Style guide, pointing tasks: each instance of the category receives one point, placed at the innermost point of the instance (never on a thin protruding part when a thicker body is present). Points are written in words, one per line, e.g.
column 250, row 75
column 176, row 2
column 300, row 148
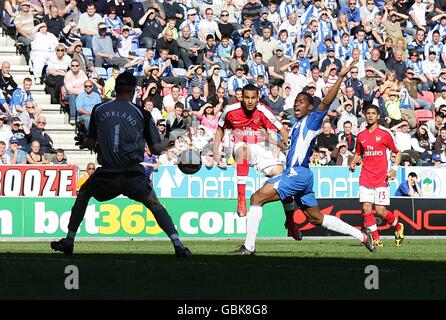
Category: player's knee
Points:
column 254, row 200
column 316, row 220
column 273, row 171
column 314, row 216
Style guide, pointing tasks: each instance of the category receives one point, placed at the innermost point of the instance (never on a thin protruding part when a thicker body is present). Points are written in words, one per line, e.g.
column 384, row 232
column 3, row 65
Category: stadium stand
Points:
column 284, row 49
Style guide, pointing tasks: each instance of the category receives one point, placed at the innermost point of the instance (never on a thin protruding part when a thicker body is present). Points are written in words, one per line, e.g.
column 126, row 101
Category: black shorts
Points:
column 105, row 185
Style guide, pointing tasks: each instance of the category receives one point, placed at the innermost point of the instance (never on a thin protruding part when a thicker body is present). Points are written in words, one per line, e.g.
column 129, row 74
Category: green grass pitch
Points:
column 282, row 269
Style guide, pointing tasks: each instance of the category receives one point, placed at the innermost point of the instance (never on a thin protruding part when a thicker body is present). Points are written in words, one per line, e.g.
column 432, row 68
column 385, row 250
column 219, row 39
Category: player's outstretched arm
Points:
column 331, row 94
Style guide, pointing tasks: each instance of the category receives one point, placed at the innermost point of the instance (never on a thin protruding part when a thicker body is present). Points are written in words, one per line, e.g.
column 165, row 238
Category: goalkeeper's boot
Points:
column 399, row 235
column 241, row 206
column 182, row 252
column 378, row 243
column 243, row 251
column 62, row 246
column 368, row 241
column 293, row 230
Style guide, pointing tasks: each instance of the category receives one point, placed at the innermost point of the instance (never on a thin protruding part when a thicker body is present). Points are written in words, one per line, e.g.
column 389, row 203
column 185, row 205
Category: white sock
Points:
column 253, row 219
column 335, row 224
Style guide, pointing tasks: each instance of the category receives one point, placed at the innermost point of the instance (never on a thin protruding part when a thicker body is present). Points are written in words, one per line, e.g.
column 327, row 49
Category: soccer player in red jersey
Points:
column 374, row 145
column 249, row 120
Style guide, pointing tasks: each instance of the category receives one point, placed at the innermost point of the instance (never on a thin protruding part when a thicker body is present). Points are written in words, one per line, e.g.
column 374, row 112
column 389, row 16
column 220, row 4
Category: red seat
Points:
column 167, row 91
column 426, row 96
column 423, row 115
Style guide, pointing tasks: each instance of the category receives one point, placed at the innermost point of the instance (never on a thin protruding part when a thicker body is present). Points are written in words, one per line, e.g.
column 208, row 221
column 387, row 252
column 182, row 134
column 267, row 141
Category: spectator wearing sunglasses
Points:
column 85, row 102
column 74, row 84
column 21, row 133
column 57, row 69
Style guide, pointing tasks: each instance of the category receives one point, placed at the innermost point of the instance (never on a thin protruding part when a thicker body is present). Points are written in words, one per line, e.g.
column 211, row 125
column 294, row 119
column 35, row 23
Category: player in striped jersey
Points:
column 295, row 184
column 373, row 146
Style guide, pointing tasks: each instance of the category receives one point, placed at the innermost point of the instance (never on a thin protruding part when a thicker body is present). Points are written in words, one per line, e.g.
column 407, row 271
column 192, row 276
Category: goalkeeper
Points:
column 118, row 131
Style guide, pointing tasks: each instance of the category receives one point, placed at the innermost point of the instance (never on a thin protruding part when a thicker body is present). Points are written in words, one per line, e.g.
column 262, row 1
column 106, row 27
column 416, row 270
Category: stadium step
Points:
column 50, row 108
column 62, row 139
column 13, row 59
column 57, row 127
column 6, row 51
column 81, row 160
column 40, row 98
column 7, row 42
column 63, row 127
column 55, row 119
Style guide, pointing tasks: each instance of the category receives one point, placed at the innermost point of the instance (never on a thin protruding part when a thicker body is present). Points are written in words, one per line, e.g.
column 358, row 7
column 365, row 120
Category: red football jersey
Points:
column 375, row 148
column 247, row 128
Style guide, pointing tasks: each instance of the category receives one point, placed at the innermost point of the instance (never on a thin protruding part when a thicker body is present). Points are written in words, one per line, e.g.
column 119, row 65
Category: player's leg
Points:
column 265, row 194
column 289, row 207
column 268, row 160
column 165, row 222
column 382, row 199
column 66, row 245
column 335, row 224
column 367, row 198
column 242, row 158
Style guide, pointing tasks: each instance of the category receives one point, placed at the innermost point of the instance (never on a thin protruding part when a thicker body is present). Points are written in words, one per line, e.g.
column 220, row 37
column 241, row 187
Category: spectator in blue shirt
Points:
column 410, row 187
column 353, row 16
column 20, row 97
column 85, row 101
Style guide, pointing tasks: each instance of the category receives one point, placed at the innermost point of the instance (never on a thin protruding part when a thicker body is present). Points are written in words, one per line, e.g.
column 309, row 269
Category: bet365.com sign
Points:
column 31, row 218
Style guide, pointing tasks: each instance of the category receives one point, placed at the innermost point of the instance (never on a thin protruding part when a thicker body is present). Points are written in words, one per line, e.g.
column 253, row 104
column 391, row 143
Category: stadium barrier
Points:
column 170, row 182
column 47, row 218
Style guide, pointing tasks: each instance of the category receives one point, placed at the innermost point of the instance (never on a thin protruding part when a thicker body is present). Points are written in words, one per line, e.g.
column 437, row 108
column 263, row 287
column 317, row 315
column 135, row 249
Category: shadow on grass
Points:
column 156, row 276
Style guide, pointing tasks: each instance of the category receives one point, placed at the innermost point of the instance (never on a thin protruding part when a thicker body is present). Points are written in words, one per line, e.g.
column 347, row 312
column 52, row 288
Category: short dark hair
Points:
column 372, row 106
column 250, row 87
column 148, row 99
column 125, row 82
column 309, row 97
column 412, row 174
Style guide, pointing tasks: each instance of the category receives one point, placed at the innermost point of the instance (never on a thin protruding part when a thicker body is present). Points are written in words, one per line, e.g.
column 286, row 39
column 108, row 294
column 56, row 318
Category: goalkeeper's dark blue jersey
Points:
column 122, row 130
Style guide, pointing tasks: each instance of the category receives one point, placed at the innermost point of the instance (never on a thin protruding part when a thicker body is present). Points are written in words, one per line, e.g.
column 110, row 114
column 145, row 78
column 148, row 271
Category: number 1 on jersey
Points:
column 116, row 139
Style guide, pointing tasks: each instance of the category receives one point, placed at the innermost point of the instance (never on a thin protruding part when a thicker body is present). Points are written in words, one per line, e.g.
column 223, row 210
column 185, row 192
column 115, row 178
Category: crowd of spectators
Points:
column 192, row 58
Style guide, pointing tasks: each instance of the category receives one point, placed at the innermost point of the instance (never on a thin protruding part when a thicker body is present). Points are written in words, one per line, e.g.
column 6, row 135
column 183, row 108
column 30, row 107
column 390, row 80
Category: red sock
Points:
column 390, row 219
column 242, row 173
column 370, row 223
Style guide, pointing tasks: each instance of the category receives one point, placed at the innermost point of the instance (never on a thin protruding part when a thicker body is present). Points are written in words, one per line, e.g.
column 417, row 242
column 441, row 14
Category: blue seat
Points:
column 135, row 44
column 140, row 52
column 223, row 73
column 180, row 72
column 88, row 53
column 102, row 72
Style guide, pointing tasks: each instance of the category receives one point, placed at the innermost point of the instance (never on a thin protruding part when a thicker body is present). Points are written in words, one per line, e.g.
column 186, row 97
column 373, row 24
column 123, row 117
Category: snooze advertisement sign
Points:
column 329, row 182
column 37, row 181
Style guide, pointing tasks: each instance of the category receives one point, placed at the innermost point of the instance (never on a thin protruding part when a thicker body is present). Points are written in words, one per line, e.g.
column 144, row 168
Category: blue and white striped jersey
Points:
column 302, row 138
